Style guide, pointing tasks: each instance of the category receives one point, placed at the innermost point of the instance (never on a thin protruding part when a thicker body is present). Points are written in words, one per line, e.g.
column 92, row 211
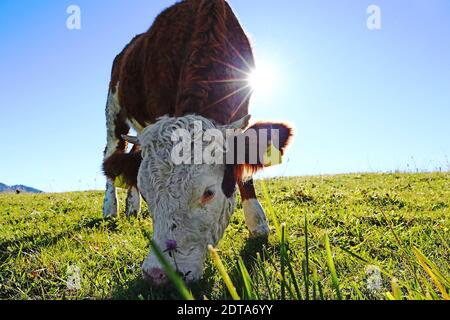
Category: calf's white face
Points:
column 190, row 214
column 189, row 207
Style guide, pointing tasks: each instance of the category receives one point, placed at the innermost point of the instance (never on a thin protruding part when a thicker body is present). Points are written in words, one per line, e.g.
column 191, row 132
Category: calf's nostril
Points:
column 156, row 276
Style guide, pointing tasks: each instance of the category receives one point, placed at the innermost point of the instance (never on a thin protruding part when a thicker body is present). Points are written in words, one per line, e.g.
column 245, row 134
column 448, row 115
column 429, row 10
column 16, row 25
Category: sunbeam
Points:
column 263, row 78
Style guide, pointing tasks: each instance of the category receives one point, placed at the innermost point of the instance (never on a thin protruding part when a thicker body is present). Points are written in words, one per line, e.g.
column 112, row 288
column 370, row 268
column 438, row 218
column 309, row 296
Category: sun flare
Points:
column 263, row 78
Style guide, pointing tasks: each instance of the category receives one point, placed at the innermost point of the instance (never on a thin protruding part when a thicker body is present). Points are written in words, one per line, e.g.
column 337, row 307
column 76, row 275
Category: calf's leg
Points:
column 255, row 218
column 133, row 204
column 116, row 126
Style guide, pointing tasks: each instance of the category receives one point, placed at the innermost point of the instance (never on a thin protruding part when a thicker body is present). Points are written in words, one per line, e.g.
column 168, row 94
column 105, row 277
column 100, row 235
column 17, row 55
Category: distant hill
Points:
column 12, row 189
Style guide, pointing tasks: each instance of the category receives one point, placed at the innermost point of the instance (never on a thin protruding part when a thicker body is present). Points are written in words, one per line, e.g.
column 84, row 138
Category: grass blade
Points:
column 247, row 280
column 332, row 268
column 294, row 281
column 314, row 283
column 432, row 271
column 319, row 286
column 172, row 274
column 389, row 296
column 403, row 251
column 306, row 268
column 266, row 279
column 270, row 209
column 396, row 292
column 223, row 272
column 283, row 261
column 432, row 266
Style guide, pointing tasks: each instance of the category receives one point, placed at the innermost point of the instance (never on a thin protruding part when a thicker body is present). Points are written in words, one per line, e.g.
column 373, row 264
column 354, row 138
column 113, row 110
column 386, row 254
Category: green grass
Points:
column 368, row 236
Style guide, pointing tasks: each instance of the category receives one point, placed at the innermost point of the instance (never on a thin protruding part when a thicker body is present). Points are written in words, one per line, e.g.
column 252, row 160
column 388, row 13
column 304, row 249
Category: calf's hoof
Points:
column 262, row 231
column 109, row 210
column 155, row 276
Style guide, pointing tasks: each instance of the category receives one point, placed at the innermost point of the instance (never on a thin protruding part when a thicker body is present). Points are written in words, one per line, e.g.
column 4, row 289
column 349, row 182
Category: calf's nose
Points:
column 156, row 276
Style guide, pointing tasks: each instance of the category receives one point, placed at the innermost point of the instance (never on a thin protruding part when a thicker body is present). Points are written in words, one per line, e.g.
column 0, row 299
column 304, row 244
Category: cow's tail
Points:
column 207, row 48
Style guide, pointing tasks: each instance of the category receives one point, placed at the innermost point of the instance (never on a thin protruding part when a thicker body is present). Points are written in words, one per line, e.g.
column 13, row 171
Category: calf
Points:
column 188, row 72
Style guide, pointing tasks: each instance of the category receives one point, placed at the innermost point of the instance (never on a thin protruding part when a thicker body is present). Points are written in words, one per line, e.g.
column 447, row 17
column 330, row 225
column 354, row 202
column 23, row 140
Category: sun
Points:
column 264, row 78
column 261, row 81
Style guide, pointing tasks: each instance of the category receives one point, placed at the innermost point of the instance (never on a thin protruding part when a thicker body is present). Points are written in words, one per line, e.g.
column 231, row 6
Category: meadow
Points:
column 357, row 236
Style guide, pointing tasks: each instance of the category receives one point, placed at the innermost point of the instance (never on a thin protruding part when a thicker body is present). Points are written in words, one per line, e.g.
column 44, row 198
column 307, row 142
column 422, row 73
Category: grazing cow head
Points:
column 192, row 202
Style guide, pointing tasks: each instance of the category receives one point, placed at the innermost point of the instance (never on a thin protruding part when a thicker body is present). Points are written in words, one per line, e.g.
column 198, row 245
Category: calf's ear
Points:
column 123, row 168
column 261, row 145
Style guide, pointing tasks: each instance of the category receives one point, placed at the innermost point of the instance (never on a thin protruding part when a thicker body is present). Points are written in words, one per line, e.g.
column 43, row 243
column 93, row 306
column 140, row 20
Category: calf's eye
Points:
column 207, row 196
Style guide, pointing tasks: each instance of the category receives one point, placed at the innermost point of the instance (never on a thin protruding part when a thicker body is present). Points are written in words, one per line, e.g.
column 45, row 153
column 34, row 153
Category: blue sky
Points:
column 360, row 100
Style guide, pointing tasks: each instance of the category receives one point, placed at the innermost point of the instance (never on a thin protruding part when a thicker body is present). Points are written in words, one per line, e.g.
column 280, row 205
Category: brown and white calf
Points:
column 191, row 67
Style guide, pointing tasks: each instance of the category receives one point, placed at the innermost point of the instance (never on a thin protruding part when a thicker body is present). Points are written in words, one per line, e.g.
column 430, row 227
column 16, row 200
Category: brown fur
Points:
column 247, row 190
column 175, row 67
column 125, row 165
column 240, row 173
column 244, row 170
column 229, row 181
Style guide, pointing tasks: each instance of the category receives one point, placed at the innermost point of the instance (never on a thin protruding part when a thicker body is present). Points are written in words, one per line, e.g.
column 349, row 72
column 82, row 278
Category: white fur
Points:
column 173, row 193
column 110, row 202
column 255, row 218
column 133, row 204
column 112, row 112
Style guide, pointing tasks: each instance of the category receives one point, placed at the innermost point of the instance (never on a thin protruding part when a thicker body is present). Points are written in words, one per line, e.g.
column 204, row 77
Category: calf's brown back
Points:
column 194, row 60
